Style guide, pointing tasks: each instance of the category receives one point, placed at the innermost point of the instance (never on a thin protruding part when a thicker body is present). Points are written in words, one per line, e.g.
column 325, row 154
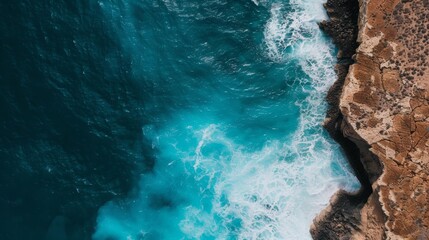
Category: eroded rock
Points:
column 385, row 104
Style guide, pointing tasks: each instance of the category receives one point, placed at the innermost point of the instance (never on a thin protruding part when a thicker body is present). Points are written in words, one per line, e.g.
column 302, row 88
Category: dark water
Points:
column 164, row 119
column 70, row 117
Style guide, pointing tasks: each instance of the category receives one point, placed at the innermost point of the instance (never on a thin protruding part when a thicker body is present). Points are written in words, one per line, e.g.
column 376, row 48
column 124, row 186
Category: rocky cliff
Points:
column 380, row 113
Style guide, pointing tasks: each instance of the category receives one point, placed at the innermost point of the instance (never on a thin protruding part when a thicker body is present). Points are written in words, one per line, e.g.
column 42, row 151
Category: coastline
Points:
column 379, row 114
column 342, row 216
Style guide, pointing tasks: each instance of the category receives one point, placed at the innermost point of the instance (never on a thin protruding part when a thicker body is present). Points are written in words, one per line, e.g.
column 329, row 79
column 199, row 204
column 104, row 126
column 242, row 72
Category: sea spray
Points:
column 237, row 106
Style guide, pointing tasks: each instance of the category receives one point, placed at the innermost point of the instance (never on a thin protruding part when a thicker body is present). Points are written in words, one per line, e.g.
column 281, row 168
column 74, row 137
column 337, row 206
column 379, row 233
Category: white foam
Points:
column 288, row 30
column 275, row 192
column 276, row 198
column 275, row 33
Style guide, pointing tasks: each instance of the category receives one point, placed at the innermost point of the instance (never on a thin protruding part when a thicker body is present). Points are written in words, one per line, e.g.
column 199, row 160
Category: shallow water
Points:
column 235, row 105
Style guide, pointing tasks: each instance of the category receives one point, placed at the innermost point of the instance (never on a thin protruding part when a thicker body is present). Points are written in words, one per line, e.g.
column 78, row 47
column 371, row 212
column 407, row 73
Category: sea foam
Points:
column 210, row 181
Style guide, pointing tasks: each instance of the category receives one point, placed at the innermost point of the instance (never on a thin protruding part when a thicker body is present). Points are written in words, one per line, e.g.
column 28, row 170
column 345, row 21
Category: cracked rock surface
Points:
column 384, row 105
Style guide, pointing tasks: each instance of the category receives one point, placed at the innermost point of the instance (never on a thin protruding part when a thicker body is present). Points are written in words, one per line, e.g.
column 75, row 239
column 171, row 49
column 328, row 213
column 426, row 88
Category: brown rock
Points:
column 384, row 105
column 391, row 80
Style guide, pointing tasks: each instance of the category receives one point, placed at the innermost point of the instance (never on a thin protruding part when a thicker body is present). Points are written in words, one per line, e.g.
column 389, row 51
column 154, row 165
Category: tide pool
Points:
column 235, row 100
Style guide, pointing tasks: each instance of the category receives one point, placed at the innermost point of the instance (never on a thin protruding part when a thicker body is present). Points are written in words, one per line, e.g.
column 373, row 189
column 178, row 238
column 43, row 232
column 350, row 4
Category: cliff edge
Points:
column 383, row 110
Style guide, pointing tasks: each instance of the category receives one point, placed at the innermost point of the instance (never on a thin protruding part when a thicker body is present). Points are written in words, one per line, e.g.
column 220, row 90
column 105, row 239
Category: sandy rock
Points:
column 385, row 104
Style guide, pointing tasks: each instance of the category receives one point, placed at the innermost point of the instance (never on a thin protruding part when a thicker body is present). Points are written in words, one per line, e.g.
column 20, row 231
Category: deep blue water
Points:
column 179, row 119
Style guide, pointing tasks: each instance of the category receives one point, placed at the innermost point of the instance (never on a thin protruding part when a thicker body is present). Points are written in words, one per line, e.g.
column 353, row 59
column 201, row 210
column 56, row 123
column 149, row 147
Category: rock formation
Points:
column 383, row 109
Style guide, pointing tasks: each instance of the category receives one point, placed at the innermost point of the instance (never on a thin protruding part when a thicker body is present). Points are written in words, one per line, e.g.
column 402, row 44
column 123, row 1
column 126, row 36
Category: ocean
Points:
column 166, row 119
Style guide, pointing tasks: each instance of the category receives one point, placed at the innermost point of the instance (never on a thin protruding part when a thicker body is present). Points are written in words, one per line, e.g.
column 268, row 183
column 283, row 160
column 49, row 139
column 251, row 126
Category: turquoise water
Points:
column 236, row 101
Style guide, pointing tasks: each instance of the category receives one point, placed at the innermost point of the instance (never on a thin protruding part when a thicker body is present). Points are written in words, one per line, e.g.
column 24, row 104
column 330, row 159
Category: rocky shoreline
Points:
column 379, row 114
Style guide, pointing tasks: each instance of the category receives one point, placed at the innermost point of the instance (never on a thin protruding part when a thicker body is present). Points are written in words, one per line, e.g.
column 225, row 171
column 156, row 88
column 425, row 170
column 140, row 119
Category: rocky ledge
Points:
column 380, row 115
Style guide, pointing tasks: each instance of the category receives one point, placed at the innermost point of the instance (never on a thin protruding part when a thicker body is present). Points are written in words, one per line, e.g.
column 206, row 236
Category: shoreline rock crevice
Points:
column 342, row 217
